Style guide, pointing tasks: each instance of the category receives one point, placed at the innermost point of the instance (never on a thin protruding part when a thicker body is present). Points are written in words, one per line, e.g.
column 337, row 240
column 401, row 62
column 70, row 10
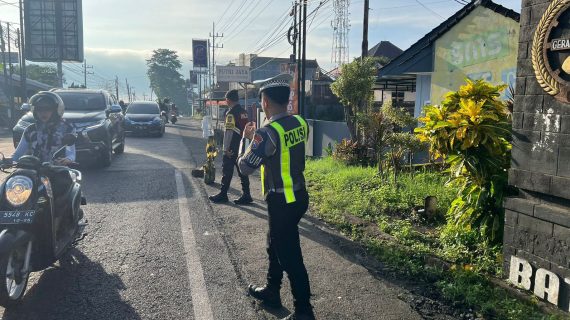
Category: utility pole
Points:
column 4, row 66
column 128, row 89
column 117, row 87
column 365, row 30
column 214, row 46
column 200, row 91
column 299, row 53
column 85, row 73
column 302, row 110
column 23, row 54
column 10, row 71
column 191, row 93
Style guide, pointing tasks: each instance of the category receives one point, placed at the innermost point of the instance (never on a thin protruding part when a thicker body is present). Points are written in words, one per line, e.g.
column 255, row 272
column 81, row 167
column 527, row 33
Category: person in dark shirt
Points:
column 235, row 121
column 279, row 149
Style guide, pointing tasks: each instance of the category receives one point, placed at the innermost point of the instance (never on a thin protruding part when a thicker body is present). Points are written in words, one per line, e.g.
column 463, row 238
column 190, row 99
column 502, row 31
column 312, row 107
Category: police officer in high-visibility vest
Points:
column 235, row 121
column 279, row 149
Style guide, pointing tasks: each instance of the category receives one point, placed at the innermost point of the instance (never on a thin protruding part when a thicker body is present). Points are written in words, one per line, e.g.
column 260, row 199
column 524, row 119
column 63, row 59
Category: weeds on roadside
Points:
column 338, row 190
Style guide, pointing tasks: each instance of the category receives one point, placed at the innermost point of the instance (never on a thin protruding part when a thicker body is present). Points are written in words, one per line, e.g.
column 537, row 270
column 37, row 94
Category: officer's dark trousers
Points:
column 228, row 164
column 284, row 248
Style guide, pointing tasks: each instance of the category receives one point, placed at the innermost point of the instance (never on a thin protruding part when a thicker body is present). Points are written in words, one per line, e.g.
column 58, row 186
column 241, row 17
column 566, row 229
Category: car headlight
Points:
column 157, row 120
column 18, row 190
column 95, row 125
column 128, row 120
column 80, row 126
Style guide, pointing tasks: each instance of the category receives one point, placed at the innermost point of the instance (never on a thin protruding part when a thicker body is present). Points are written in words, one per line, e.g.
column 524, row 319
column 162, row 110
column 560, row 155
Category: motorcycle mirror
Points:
column 69, row 139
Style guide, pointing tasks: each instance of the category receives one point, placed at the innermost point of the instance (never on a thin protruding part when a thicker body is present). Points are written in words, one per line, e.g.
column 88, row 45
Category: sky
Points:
column 119, row 35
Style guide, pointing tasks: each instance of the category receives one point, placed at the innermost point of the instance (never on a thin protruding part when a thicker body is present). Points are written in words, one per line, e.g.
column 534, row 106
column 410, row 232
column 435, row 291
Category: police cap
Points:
column 280, row 81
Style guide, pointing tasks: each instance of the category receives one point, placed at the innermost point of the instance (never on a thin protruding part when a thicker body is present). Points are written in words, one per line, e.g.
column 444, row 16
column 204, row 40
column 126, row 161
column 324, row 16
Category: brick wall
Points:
column 537, row 223
column 541, row 151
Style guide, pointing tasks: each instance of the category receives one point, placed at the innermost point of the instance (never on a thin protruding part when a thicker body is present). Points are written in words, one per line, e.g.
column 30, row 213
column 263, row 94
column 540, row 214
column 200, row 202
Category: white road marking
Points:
column 200, row 299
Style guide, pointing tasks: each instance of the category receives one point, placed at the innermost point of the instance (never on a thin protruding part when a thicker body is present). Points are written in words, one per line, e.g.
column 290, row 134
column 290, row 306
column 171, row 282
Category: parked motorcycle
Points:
column 40, row 219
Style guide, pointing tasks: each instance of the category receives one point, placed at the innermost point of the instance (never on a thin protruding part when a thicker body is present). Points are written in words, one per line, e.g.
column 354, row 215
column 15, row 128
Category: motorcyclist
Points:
column 164, row 108
column 44, row 137
column 123, row 105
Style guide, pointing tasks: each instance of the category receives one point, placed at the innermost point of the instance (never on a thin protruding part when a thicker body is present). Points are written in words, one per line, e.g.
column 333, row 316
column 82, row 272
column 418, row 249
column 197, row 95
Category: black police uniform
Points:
column 279, row 148
column 235, row 121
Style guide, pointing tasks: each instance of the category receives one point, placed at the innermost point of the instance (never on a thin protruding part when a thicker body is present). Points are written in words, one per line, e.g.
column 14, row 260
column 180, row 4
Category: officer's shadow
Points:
column 278, row 313
column 75, row 288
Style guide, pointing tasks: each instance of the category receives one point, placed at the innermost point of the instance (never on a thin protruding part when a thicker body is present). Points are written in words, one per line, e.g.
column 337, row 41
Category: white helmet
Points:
column 46, row 99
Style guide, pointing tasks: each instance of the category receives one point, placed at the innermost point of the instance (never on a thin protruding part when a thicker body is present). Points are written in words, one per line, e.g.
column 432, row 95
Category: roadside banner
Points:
column 233, row 74
column 200, row 53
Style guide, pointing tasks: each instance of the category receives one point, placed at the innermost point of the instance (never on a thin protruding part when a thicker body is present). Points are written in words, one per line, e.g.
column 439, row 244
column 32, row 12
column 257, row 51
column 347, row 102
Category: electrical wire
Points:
column 236, row 14
column 250, row 22
column 6, row 3
column 430, row 10
column 278, row 38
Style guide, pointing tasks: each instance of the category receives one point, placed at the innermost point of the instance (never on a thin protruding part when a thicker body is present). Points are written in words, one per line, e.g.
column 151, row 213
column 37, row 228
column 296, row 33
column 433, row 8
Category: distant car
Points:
column 97, row 118
column 144, row 117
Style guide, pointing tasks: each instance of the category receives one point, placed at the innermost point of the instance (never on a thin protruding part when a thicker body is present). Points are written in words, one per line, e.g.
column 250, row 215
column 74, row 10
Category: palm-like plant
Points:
column 471, row 132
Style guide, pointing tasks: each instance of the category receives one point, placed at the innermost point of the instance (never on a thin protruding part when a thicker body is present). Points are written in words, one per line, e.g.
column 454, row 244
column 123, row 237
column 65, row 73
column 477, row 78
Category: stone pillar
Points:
column 537, row 222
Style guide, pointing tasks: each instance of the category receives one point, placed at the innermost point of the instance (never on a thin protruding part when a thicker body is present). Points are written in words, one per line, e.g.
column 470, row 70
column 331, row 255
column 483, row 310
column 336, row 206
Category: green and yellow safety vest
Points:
column 283, row 172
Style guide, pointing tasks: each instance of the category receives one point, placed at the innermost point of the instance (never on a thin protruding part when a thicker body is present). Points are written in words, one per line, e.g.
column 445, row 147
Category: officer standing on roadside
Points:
column 279, row 148
column 235, row 121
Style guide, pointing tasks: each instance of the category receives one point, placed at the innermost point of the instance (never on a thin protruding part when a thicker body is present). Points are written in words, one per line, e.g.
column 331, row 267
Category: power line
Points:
column 225, row 11
column 6, row 3
column 250, row 22
column 430, row 10
column 277, row 38
column 235, row 15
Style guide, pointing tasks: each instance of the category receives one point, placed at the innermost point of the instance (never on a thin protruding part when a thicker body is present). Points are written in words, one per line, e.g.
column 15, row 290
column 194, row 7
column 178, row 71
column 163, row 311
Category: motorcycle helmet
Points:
column 47, row 100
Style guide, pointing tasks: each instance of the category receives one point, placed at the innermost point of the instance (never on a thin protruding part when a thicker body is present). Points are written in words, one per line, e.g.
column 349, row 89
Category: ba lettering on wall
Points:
column 545, row 284
column 482, row 45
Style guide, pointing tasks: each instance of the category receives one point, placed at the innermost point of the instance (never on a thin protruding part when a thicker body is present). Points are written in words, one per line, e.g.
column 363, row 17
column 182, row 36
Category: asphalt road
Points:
column 157, row 249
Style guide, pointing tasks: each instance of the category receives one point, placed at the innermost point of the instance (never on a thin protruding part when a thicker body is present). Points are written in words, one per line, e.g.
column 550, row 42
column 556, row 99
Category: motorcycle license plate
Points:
column 17, row 217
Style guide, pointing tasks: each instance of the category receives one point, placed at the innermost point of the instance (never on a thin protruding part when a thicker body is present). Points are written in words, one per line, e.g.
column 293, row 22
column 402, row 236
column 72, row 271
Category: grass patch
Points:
column 338, row 190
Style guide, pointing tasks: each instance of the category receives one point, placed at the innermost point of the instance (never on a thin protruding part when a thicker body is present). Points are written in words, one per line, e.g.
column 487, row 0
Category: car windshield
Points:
column 143, row 108
column 83, row 101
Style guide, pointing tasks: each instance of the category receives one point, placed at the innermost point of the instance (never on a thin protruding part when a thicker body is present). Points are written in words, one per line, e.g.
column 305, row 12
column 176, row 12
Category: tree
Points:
column 165, row 78
column 383, row 132
column 354, row 89
column 41, row 73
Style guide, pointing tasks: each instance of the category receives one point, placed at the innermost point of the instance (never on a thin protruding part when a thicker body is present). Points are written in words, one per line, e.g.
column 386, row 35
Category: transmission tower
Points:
column 341, row 27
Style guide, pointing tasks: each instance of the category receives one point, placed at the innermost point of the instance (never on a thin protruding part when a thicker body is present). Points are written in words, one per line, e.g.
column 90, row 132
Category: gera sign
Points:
column 545, row 284
column 233, row 74
column 551, row 51
column 560, row 44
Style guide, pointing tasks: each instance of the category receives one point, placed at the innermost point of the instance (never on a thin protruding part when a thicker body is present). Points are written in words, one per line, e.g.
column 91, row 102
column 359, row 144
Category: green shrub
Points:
column 471, row 132
column 351, row 153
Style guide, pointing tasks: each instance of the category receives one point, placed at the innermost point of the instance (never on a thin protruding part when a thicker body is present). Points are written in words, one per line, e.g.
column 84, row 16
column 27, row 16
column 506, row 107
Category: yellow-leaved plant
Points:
column 471, row 132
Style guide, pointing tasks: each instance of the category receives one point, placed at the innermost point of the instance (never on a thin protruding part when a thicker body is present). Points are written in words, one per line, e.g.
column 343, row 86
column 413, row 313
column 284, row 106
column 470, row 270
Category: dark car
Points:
column 143, row 117
column 97, row 119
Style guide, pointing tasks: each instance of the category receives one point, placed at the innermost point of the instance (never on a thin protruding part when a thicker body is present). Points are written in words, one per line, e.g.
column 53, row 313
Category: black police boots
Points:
column 268, row 295
column 244, row 199
column 219, row 198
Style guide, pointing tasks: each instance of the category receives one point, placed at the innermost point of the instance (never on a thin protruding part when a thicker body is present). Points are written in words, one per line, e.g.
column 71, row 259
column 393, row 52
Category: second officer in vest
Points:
column 236, row 119
column 279, row 149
